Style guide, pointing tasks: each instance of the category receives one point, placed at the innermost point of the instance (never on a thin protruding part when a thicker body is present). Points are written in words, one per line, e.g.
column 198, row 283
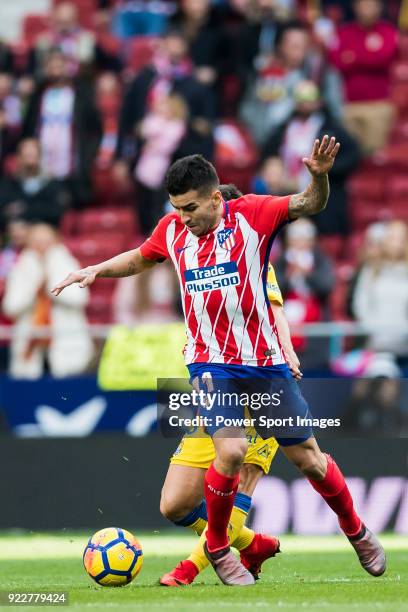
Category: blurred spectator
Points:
column 7, row 139
column 305, row 276
column 304, row 271
column 322, row 24
column 240, row 7
column 161, row 132
column 380, row 300
column 201, row 27
column 293, row 140
column 10, row 103
column 376, row 400
column 28, row 301
column 171, row 72
column 269, row 100
column 16, row 236
column 142, row 18
column 15, row 240
column 257, row 36
column 24, row 89
column 108, row 89
column 63, row 115
column 272, row 179
column 6, row 58
column 30, row 195
column 364, row 52
column 368, row 255
column 78, row 45
column 343, row 9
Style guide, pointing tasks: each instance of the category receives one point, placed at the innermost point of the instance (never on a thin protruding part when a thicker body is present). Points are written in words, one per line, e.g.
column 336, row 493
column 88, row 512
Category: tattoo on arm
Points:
column 128, row 263
column 312, row 200
column 109, row 273
column 134, row 266
column 130, row 271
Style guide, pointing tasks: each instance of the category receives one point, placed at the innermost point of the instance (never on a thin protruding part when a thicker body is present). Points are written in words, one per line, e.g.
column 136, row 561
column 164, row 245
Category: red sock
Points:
column 219, row 496
column 336, row 494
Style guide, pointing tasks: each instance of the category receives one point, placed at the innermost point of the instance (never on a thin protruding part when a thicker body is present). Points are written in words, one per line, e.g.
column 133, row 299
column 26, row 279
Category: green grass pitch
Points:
column 310, row 574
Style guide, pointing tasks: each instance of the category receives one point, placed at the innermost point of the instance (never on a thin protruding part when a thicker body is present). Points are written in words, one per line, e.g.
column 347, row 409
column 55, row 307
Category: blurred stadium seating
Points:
column 378, row 189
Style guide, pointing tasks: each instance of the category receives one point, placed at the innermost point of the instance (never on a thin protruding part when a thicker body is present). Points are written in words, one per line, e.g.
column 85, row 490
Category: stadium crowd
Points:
column 100, row 96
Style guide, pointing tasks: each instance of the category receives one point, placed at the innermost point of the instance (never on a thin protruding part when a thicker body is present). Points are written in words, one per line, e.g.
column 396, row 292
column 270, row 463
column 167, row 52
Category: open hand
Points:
column 322, row 157
column 84, row 277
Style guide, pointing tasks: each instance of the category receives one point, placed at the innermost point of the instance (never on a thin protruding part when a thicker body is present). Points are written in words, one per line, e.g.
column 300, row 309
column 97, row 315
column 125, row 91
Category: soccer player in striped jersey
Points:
column 182, row 494
column 220, row 251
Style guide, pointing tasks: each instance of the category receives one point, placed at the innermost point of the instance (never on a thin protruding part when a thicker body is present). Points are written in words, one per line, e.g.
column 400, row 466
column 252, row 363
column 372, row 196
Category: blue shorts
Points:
column 280, row 416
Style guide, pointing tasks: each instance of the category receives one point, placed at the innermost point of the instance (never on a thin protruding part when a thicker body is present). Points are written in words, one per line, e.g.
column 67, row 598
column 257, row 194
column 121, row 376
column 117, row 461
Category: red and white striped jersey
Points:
column 223, row 281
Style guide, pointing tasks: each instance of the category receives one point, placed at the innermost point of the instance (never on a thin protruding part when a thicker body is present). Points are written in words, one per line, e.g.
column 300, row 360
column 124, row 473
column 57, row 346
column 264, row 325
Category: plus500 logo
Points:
column 212, row 277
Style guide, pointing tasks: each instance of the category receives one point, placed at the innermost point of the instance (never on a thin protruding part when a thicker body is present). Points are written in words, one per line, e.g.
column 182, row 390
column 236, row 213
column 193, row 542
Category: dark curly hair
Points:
column 193, row 172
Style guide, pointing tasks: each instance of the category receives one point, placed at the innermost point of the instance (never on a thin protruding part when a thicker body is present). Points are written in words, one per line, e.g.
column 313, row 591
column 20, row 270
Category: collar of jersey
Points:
column 226, row 209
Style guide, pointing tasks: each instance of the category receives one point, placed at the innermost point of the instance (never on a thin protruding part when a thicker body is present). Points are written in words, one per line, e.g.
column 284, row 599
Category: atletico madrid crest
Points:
column 226, row 239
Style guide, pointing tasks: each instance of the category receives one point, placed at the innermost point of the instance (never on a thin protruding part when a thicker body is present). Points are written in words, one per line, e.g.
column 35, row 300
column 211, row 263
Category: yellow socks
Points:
column 238, row 535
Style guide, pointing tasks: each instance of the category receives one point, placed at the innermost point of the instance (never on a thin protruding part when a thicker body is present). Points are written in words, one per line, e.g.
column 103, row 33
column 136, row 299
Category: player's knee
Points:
column 233, row 454
column 175, row 510
column 165, row 508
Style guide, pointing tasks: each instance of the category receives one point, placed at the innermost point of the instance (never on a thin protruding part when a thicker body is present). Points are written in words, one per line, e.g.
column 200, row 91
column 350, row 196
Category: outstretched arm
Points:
column 125, row 264
column 314, row 198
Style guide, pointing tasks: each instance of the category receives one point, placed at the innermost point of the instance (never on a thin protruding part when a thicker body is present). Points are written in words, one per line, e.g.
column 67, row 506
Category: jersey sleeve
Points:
column 155, row 247
column 266, row 214
column 272, row 287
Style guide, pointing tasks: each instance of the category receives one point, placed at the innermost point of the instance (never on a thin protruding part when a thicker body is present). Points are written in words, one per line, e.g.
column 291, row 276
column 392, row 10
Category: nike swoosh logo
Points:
column 182, row 249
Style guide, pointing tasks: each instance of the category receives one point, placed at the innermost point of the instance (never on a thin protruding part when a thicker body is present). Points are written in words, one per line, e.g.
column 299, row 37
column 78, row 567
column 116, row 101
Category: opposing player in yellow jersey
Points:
column 182, row 495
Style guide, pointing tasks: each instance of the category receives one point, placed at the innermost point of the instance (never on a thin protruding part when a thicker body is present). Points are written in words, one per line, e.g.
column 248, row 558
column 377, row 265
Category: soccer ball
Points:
column 113, row 557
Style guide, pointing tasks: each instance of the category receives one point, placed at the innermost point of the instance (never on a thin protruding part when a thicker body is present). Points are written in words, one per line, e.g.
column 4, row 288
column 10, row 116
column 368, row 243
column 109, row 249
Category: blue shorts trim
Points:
column 220, row 370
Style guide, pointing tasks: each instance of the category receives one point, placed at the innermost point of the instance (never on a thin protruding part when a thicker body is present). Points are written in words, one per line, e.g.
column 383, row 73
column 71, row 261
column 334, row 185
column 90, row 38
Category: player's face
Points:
column 199, row 212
